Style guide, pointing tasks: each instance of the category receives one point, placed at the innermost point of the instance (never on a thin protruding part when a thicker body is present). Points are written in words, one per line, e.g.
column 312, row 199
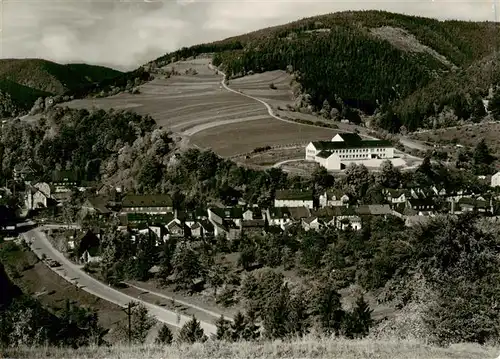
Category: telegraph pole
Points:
column 128, row 311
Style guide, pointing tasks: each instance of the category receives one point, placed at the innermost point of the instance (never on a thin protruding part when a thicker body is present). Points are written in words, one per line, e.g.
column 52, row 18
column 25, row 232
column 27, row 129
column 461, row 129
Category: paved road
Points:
column 279, row 164
column 268, row 107
column 179, row 301
column 74, row 274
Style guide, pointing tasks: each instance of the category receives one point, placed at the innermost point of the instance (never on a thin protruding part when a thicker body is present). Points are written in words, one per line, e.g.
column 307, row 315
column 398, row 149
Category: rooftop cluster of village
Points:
column 303, row 209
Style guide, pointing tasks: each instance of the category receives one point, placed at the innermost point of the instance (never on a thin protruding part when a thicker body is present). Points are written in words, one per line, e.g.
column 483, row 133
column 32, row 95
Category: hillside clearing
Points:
column 195, row 105
column 303, row 348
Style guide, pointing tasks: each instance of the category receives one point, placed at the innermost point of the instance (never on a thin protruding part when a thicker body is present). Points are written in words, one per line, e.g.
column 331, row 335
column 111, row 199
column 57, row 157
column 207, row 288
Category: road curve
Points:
column 75, row 275
column 268, row 107
column 179, row 301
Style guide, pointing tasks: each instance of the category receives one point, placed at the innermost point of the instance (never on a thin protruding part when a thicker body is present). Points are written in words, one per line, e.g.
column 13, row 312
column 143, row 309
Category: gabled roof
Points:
column 148, row 218
column 207, row 225
column 324, row 154
column 309, row 220
column 228, row 212
column 192, row 215
column 421, row 202
column 298, row 213
column 294, row 195
column 174, row 224
column 329, row 145
column 279, row 212
column 396, row 193
column 337, row 193
column 99, row 204
column 254, row 223
column 350, row 137
column 155, row 200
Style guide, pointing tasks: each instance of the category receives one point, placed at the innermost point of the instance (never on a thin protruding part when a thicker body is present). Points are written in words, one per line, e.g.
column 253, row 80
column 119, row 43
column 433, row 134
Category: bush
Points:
column 272, row 86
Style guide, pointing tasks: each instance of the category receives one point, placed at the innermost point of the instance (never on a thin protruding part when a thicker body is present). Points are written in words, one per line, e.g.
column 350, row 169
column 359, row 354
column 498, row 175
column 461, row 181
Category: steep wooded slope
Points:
column 367, row 60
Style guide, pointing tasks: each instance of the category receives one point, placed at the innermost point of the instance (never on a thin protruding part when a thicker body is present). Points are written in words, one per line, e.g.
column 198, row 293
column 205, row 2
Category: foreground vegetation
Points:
column 308, row 347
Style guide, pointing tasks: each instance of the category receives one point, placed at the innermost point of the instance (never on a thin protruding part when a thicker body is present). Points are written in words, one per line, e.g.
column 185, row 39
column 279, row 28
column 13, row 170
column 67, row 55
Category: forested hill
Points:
column 369, row 60
column 22, row 81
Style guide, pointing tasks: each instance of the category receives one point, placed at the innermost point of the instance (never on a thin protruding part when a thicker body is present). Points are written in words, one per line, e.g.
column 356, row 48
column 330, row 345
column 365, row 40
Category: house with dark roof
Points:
column 278, row 217
column 344, row 217
column 293, row 198
column 96, row 206
column 37, row 196
column 394, row 196
column 24, row 171
column 150, row 204
column 226, row 221
column 312, row 223
column 175, row 228
column 202, row 229
column 345, row 148
column 333, row 198
column 64, row 181
column 253, row 226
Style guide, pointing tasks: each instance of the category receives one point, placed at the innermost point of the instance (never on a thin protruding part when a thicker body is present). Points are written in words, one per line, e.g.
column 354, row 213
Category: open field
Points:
column 195, row 105
column 237, row 138
column 52, row 290
column 309, row 347
column 467, row 136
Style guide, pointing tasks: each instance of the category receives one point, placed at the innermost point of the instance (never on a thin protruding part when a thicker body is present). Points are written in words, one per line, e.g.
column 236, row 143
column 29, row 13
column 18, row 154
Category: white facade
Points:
column 293, row 203
column 332, row 156
column 495, row 180
column 333, row 200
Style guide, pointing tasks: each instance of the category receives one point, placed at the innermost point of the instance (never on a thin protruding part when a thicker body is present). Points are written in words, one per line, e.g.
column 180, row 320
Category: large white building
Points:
column 345, row 148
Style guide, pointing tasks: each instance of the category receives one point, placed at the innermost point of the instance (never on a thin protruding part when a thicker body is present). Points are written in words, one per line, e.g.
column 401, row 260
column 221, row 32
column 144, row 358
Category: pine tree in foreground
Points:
column 191, row 332
column 223, row 329
column 165, row 336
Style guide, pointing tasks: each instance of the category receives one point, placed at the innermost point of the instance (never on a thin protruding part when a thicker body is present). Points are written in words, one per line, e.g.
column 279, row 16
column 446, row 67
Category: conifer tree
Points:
column 223, row 329
column 238, row 327
column 191, row 332
column 165, row 336
column 362, row 315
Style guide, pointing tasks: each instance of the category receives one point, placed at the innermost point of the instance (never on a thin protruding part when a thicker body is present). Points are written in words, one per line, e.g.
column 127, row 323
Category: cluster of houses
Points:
column 156, row 215
column 345, row 148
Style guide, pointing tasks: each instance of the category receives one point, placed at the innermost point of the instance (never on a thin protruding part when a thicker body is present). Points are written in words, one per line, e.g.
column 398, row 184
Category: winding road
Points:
column 74, row 274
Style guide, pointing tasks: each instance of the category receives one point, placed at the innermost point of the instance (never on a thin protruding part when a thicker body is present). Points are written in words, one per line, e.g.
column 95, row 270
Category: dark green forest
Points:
column 369, row 72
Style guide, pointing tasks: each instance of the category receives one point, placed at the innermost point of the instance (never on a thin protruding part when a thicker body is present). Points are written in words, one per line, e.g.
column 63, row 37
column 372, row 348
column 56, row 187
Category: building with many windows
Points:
column 345, row 148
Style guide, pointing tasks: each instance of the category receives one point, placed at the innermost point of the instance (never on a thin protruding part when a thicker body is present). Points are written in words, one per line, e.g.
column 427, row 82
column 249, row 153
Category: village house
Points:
column 96, row 206
column 87, row 246
column 495, row 180
column 227, row 229
column 394, row 196
column 191, row 217
column 219, row 215
column 37, row 196
column 64, row 181
column 382, row 210
column 333, row 198
column 338, row 217
column 202, row 229
column 312, row 223
column 253, row 226
column 150, row 204
column 345, row 148
column 294, row 198
column 252, row 213
column 175, row 228
column 226, row 221
column 24, row 172
column 278, row 217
